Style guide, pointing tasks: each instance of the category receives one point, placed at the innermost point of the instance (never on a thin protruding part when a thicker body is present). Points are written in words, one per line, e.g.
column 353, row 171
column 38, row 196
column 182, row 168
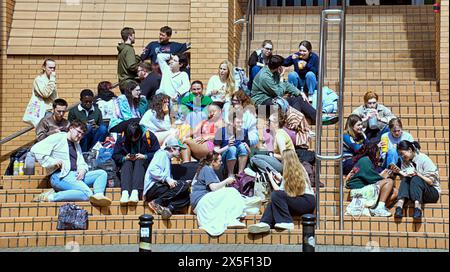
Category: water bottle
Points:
column 21, row 168
column 16, row 168
column 29, row 164
column 373, row 122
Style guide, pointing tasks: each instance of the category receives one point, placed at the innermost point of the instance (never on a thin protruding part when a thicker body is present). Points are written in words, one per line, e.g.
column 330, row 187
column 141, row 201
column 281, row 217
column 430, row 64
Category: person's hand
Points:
column 349, row 175
column 199, row 140
column 214, row 92
column 283, row 69
column 277, row 177
column 80, row 174
column 175, row 99
column 295, row 56
column 286, row 95
column 231, row 141
column 230, row 180
column 139, row 156
column 382, row 144
column 130, row 157
column 144, row 50
column 386, row 173
column 247, row 148
column 59, row 164
column 188, row 45
column 303, row 95
column 172, row 183
column 53, row 75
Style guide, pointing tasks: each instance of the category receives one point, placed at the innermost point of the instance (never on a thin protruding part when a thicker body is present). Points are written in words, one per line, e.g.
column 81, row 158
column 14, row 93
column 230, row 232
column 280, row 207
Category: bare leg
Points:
column 386, row 187
column 198, row 151
column 230, row 167
column 186, row 154
column 242, row 163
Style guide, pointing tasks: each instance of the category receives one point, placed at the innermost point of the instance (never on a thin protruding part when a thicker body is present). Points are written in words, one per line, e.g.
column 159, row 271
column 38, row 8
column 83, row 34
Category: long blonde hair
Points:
column 295, row 176
column 230, row 78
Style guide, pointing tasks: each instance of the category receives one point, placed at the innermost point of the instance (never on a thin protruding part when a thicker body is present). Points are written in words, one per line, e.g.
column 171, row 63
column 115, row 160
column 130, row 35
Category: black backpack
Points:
column 18, row 154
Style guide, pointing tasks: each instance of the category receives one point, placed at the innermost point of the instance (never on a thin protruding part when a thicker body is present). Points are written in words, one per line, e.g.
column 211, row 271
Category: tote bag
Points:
column 35, row 111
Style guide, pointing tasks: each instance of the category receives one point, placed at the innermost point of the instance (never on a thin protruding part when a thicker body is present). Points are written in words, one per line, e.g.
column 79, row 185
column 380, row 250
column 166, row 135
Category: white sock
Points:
column 381, row 205
column 125, row 192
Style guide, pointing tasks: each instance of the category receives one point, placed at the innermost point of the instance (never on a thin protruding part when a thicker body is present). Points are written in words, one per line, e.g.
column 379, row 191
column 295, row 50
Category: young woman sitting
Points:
column 217, row 206
column 221, row 86
column 389, row 141
column 354, row 139
column 420, row 179
column 195, row 105
column 292, row 196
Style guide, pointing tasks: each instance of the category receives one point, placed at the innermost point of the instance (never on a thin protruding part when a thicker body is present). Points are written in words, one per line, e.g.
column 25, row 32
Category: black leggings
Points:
column 175, row 198
column 132, row 175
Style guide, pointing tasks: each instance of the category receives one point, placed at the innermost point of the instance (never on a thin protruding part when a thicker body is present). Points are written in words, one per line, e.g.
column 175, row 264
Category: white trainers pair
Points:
column 236, row 225
column 261, row 227
column 99, row 199
column 381, row 212
column 126, row 199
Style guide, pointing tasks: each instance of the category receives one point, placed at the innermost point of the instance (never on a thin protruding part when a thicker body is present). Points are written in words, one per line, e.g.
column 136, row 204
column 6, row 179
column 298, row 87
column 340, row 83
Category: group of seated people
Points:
column 373, row 132
column 216, row 128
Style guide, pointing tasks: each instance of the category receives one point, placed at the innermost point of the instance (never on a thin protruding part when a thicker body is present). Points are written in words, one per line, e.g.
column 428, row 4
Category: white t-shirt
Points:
column 214, row 83
column 172, row 84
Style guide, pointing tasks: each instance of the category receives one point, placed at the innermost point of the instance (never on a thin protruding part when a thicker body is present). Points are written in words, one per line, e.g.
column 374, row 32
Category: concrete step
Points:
column 188, row 222
column 174, row 236
column 32, row 209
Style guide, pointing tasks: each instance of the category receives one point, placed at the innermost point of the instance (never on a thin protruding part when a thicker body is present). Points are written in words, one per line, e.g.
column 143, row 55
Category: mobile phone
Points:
column 132, row 155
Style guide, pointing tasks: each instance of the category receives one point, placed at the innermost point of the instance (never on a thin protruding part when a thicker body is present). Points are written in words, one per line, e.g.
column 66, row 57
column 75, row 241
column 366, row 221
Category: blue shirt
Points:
column 352, row 145
column 154, row 48
column 311, row 65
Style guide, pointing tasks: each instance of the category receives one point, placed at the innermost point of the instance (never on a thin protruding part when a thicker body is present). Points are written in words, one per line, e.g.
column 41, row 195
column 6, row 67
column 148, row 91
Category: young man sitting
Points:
column 90, row 114
column 54, row 123
column 61, row 156
column 165, row 194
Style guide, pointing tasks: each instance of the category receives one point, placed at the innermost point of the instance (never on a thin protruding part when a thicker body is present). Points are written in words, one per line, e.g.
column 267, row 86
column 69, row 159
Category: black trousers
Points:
column 299, row 104
column 282, row 207
column 175, row 198
column 132, row 175
column 122, row 126
column 416, row 189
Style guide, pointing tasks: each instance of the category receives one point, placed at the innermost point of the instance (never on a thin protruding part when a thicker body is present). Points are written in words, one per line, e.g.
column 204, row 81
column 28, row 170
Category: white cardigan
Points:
column 55, row 148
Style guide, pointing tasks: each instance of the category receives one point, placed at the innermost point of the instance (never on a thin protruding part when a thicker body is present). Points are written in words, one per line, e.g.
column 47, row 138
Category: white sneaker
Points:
column 236, row 225
column 44, row 197
column 261, row 227
column 285, row 226
column 134, row 198
column 124, row 197
column 100, row 200
column 381, row 212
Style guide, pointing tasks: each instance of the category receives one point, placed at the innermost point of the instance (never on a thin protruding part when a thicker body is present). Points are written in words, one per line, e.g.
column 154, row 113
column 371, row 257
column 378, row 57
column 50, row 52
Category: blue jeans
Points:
column 71, row 189
column 93, row 136
column 253, row 72
column 392, row 157
column 310, row 80
column 233, row 152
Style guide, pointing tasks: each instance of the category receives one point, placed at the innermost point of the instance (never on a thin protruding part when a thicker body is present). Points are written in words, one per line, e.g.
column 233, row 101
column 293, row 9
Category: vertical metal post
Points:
column 145, row 232
column 308, row 233
column 322, row 69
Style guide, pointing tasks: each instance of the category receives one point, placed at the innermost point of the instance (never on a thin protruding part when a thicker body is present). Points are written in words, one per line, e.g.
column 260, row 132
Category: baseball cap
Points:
column 173, row 142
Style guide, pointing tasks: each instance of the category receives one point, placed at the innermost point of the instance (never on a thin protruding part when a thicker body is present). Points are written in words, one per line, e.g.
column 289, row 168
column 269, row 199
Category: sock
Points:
column 400, row 203
column 124, row 192
column 417, row 204
column 381, row 205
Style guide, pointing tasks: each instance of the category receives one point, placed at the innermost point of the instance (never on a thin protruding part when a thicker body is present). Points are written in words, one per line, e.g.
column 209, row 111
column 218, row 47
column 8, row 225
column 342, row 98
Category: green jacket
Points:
column 267, row 85
column 79, row 113
column 127, row 63
column 365, row 174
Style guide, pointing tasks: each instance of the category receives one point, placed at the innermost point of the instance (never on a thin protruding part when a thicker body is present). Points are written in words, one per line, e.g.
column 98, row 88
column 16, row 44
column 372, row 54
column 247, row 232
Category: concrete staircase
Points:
column 389, row 50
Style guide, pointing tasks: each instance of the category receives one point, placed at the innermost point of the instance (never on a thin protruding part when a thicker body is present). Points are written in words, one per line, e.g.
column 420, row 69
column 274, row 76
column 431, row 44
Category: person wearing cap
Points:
column 165, row 195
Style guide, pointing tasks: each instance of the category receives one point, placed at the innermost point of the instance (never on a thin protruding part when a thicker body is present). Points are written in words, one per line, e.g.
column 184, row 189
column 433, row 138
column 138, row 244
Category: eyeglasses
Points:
column 79, row 132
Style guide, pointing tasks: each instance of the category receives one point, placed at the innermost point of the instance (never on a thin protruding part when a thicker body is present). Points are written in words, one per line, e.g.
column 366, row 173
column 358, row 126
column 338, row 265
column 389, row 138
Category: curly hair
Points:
column 157, row 105
column 294, row 174
column 243, row 98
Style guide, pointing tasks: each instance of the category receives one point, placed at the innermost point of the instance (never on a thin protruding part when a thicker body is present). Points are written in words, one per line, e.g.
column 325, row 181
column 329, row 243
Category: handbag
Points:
column 244, row 184
column 72, row 217
column 35, row 111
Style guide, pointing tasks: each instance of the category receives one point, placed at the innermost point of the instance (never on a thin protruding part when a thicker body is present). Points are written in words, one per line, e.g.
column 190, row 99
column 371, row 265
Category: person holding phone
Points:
column 420, row 179
column 292, row 195
column 89, row 113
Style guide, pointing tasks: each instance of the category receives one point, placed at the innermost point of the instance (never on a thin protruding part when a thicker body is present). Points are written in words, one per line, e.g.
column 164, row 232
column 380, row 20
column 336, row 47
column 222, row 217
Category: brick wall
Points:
column 443, row 40
column 207, row 24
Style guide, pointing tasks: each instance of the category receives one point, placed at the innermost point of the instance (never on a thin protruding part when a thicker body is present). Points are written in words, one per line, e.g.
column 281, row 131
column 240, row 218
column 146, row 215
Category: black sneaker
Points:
column 329, row 120
column 398, row 212
column 417, row 214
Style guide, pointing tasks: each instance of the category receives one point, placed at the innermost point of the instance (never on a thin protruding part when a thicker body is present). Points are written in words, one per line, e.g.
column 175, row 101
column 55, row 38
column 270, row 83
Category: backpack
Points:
column 19, row 155
column 241, row 80
column 72, row 217
column 245, row 184
column 111, row 169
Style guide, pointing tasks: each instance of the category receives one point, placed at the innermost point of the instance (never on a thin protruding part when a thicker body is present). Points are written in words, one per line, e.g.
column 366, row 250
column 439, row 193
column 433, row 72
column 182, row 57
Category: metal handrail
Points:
column 248, row 20
column 322, row 69
column 31, row 127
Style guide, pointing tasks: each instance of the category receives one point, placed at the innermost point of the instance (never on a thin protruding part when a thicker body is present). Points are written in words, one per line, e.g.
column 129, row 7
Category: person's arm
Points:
column 313, row 64
column 132, row 61
column 158, row 170
column 152, row 148
column 162, row 61
column 45, row 89
column 43, row 151
column 386, row 115
column 275, row 185
column 118, row 154
column 430, row 172
column 253, row 59
column 177, row 47
column 253, row 135
column 288, row 61
column 146, row 54
column 351, row 144
column 185, row 84
column 219, row 185
column 41, row 130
